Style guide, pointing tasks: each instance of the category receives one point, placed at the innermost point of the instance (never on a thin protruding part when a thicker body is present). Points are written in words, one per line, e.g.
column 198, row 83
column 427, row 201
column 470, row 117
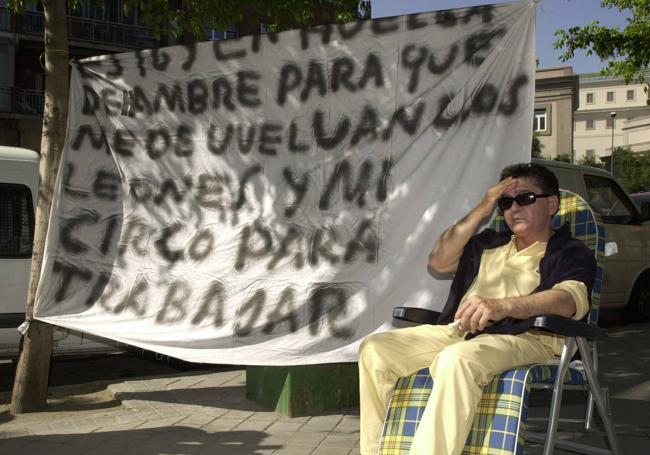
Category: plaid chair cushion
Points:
column 503, row 409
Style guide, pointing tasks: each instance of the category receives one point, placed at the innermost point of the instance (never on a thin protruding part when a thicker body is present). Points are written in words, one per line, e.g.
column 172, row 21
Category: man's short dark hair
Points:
column 541, row 175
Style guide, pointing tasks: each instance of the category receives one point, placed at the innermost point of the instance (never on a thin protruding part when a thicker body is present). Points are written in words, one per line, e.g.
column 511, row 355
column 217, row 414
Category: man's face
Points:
column 533, row 219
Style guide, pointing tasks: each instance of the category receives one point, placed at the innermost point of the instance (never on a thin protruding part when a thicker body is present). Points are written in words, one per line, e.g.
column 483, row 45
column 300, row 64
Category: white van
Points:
column 18, row 193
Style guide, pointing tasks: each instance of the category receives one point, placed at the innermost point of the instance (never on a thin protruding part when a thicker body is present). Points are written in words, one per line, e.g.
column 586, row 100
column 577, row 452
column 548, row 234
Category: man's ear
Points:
column 553, row 204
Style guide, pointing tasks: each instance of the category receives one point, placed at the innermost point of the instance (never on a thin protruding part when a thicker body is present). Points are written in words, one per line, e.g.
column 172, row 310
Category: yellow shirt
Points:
column 506, row 272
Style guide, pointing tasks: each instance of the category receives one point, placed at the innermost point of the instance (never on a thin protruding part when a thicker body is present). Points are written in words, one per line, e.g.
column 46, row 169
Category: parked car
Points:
column 626, row 280
column 642, row 201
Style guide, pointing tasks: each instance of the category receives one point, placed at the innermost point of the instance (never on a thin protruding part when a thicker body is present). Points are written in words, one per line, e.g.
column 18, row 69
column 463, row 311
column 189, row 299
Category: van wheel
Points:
column 638, row 307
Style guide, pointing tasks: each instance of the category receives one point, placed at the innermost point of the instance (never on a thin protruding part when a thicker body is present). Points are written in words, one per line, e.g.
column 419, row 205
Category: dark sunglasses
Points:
column 523, row 199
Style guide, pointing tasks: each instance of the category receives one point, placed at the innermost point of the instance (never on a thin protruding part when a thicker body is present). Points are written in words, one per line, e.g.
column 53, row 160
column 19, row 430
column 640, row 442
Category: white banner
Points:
column 268, row 200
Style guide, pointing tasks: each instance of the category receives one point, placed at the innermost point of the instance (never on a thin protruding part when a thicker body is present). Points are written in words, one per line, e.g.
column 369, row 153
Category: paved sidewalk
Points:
column 206, row 412
column 203, row 413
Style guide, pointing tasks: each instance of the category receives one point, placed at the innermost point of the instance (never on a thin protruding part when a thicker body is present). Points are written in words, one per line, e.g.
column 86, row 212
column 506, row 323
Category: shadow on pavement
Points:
column 108, row 367
column 171, row 440
column 624, row 369
column 226, row 397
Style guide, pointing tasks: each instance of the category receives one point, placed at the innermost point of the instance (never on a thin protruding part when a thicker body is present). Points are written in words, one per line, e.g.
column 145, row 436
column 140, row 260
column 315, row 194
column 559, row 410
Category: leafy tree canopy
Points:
column 633, row 170
column 627, row 51
column 536, row 146
column 195, row 16
column 591, row 161
column 564, row 157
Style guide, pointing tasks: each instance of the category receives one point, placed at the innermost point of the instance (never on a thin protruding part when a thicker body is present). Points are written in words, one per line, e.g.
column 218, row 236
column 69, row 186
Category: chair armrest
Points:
column 560, row 325
column 414, row 314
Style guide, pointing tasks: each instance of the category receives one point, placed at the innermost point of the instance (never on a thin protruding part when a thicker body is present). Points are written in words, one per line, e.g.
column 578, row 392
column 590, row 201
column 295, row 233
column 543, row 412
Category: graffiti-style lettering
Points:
column 328, row 301
column 173, row 307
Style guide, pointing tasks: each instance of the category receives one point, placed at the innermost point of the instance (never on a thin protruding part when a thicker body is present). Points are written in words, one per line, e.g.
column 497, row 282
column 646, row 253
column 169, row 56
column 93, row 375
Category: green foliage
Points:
column 627, row 51
column 18, row 6
column 194, row 16
column 536, row 146
column 564, row 157
column 591, row 161
column 633, row 169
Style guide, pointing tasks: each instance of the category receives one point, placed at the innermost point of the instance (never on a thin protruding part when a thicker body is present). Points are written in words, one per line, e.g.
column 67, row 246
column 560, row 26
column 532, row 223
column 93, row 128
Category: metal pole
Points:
column 611, row 160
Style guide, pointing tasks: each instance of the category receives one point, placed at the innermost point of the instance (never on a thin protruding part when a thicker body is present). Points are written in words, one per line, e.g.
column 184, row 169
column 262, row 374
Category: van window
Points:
column 16, row 221
column 608, row 200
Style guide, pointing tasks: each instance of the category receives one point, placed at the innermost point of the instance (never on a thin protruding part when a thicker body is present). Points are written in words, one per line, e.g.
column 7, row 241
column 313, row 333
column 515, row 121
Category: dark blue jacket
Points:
column 565, row 258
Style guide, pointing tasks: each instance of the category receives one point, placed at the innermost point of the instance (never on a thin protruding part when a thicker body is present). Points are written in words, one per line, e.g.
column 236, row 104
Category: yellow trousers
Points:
column 460, row 369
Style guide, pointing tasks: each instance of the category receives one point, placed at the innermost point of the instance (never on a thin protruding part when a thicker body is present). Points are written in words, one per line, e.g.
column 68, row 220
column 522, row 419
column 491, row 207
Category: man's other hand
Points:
column 476, row 313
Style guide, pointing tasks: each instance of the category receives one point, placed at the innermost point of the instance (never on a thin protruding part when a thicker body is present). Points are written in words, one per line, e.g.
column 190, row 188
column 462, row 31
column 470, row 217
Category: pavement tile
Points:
column 307, row 438
column 131, row 417
column 282, row 418
column 196, row 420
column 295, row 450
column 253, row 425
column 222, row 424
column 237, row 443
column 105, row 420
column 237, row 414
column 114, row 428
column 330, row 451
column 278, row 437
column 213, row 411
column 340, row 440
column 285, row 426
column 265, row 415
column 88, row 427
column 320, row 424
column 161, row 424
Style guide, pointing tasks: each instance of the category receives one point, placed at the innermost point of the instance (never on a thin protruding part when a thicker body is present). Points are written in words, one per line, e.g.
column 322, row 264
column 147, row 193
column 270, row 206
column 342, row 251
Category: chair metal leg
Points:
column 590, row 399
column 596, row 392
column 565, row 359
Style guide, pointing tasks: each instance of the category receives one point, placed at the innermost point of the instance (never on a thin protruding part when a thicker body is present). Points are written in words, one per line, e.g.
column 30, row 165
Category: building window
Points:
column 608, row 200
column 630, row 95
column 610, row 123
column 590, row 98
column 610, row 97
column 218, row 35
column 589, row 153
column 540, row 120
column 16, row 221
column 589, row 124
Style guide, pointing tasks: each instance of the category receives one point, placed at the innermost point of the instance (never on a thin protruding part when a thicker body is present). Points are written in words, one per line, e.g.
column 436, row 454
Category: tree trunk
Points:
column 187, row 37
column 30, row 386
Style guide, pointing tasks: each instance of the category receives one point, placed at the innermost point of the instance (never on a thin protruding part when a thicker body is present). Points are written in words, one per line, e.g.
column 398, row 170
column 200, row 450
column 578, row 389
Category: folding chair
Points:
column 500, row 424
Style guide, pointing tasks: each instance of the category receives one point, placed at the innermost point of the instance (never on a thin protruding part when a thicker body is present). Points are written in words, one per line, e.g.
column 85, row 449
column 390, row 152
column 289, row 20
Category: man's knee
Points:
column 373, row 348
column 371, row 344
column 456, row 361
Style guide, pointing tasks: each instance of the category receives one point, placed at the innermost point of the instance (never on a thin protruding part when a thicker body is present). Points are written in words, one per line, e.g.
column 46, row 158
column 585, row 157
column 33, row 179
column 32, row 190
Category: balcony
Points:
column 5, row 20
column 86, row 30
column 21, row 101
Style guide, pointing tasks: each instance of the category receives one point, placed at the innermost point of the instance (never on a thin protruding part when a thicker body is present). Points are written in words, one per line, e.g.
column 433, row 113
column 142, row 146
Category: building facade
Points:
column 611, row 114
column 98, row 27
column 93, row 29
column 556, row 99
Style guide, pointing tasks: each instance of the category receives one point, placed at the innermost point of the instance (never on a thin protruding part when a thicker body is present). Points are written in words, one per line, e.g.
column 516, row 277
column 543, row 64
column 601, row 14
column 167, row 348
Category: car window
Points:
column 16, row 221
column 608, row 200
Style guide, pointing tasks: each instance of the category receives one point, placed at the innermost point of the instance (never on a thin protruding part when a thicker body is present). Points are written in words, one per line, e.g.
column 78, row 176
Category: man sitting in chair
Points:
column 501, row 279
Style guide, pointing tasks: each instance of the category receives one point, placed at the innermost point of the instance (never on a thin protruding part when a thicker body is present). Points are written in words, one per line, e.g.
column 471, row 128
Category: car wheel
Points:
column 638, row 307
